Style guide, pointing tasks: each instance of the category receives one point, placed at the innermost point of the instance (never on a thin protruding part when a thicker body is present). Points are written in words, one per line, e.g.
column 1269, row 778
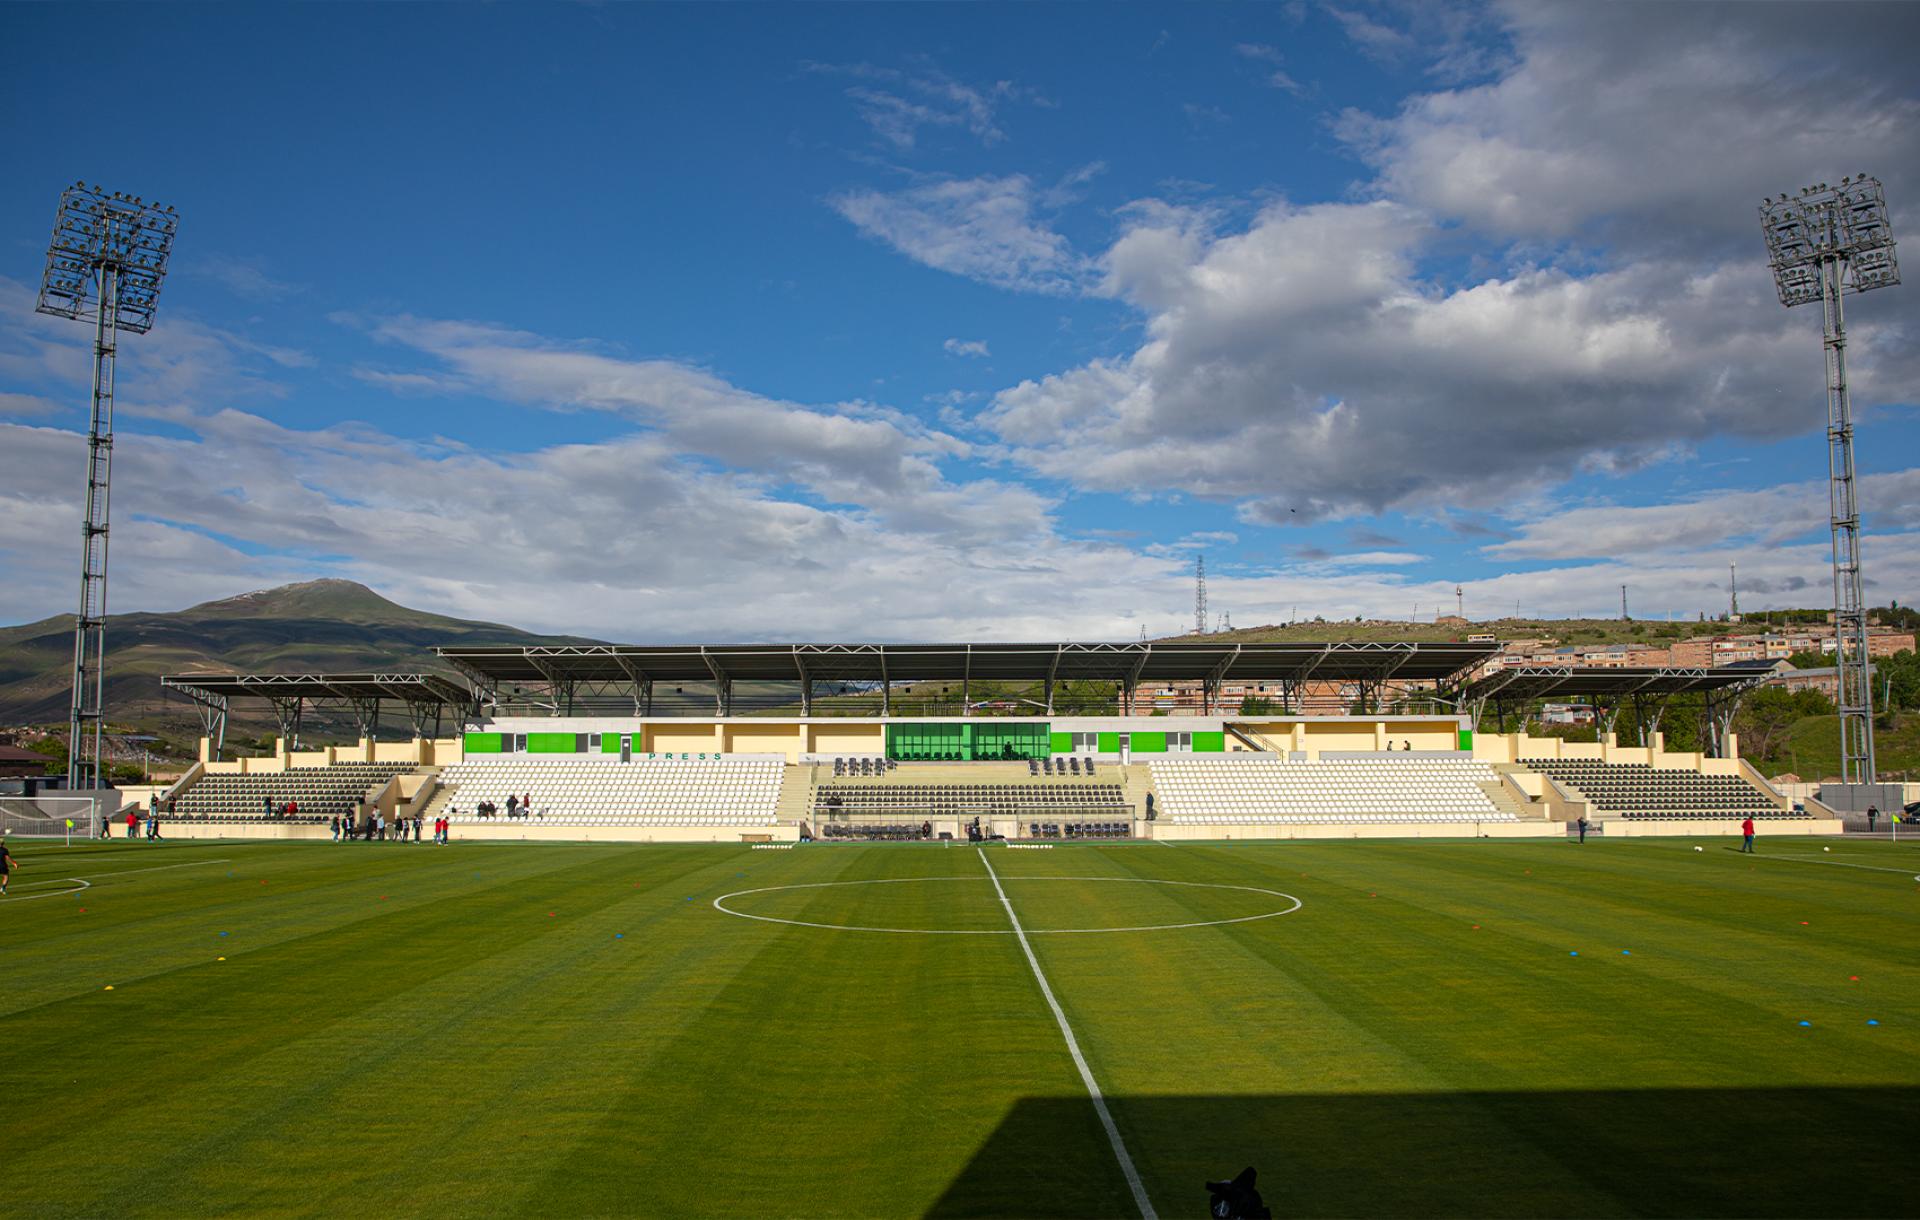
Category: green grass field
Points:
column 577, row 1030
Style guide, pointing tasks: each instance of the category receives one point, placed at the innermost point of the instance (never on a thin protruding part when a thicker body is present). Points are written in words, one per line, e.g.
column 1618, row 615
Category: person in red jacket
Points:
column 133, row 823
column 1746, row 834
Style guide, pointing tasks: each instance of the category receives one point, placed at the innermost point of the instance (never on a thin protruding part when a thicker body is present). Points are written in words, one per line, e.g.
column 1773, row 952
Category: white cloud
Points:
column 966, row 347
column 1766, row 517
column 1307, row 368
column 244, row 278
column 896, row 103
column 1664, row 125
column 1270, row 59
column 984, row 228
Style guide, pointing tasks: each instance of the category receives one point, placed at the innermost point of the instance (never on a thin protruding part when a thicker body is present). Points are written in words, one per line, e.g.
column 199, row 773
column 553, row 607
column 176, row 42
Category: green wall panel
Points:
column 1209, row 743
column 610, row 742
column 911, row 741
column 555, row 743
column 1063, row 743
column 1109, row 743
column 483, row 743
column 1466, row 739
column 1149, row 743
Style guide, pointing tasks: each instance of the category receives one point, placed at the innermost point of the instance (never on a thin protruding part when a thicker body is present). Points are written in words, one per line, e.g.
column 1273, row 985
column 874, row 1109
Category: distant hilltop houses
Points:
column 1696, row 652
column 1768, row 650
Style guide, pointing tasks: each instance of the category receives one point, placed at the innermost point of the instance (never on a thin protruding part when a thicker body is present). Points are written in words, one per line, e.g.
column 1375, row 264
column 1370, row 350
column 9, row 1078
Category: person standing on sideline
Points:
column 1746, row 834
column 7, row 863
column 133, row 823
column 1583, row 830
column 1873, row 811
column 153, row 823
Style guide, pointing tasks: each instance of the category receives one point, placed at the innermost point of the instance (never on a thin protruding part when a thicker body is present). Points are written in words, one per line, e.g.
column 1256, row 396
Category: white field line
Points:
column 1127, row 1169
column 87, row 881
column 1878, row 868
column 50, row 893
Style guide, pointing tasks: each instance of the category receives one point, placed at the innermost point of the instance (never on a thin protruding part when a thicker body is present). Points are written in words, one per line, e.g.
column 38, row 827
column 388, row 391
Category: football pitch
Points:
column 1414, row 1028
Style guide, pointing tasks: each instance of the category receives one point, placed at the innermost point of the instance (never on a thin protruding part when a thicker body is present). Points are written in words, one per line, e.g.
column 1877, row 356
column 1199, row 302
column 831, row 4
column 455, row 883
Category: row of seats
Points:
column 967, row 800
column 1080, row 830
column 1636, row 790
column 1059, row 766
column 323, row 791
column 644, row 792
column 863, row 766
column 1359, row 790
column 257, row 819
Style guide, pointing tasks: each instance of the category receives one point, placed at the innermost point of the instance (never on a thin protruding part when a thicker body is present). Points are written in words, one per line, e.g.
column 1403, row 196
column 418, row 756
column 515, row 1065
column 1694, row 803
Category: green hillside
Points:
column 314, row 626
column 1812, row 749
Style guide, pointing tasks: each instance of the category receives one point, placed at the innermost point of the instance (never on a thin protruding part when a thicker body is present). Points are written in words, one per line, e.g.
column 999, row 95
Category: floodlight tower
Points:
column 1823, row 243
column 1200, row 595
column 105, row 265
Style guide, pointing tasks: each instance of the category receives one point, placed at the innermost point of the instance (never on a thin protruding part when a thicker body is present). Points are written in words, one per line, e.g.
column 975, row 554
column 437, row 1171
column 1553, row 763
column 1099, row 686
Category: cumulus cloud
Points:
column 1306, row 367
column 1664, row 126
column 988, row 229
column 966, row 347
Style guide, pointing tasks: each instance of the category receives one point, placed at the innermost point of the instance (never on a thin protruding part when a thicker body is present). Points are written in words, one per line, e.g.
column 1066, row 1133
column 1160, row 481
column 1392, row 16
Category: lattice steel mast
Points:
column 1823, row 243
column 105, row 263
column 1199, row 595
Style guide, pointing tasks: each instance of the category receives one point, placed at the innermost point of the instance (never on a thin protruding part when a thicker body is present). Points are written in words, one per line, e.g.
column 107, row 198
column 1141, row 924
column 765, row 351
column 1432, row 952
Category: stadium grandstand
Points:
column 845, row 742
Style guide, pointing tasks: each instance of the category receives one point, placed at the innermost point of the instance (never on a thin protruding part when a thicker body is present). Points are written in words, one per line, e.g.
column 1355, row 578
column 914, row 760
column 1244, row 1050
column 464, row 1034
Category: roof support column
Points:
column 722, row 685
column 966, row 683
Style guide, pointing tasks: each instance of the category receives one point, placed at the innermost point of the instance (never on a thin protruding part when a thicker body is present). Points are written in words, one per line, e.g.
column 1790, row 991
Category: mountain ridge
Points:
column 309, row 626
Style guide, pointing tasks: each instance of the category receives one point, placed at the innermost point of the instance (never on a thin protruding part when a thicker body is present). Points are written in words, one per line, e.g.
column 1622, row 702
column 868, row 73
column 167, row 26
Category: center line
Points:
column 1132, row 1175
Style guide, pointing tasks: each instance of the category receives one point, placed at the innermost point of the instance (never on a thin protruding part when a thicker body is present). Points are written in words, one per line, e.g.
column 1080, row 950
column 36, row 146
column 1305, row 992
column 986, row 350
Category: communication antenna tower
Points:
column 1624, row 616
column 105, row 265
column 1459, row 603
column 1199, row 594
column 1823, row 243
column 1733, row 592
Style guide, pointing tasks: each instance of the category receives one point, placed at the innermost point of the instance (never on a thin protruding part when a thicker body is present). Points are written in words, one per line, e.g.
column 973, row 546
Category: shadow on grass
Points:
column 1654, row 1152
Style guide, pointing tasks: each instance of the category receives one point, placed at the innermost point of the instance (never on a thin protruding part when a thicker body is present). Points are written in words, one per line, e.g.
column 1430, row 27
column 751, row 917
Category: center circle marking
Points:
column 720, row 904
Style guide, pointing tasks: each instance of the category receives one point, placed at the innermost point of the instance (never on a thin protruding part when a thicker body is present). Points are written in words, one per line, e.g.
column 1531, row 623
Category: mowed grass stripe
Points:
column 307, row 1013
column 1395, row 985
column 869, row 1075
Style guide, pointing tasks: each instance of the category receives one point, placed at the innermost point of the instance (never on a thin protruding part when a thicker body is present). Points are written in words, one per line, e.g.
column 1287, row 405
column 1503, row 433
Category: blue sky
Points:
column 980, row 321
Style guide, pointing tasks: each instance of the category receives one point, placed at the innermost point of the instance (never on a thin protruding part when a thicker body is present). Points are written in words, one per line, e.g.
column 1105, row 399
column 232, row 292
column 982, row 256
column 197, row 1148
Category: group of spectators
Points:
column 517, row 807
column 376, row 828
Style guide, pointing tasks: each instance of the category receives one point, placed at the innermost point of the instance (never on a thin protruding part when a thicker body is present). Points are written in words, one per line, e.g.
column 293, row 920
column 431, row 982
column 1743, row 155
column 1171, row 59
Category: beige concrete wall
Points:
column 784, row 739
column 1189, row 831
column 679, row 739
column 1627, row 828
column 522, row 833
column 849, row 739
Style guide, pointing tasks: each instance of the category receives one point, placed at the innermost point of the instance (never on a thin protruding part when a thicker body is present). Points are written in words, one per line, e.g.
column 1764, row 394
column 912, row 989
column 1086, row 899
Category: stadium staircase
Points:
column 1363, row 790
column 1637, row 791
column 320, row 793
column 721, row 793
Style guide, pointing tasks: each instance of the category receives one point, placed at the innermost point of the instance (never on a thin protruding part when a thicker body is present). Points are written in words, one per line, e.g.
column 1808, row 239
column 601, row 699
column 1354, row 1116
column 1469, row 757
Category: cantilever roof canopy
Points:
column 1130, row 664
column 412, row 688
column 1551, row 681
column 425, row 697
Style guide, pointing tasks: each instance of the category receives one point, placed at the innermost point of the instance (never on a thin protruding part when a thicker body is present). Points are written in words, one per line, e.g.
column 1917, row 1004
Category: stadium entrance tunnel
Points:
column 1644, row 1152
